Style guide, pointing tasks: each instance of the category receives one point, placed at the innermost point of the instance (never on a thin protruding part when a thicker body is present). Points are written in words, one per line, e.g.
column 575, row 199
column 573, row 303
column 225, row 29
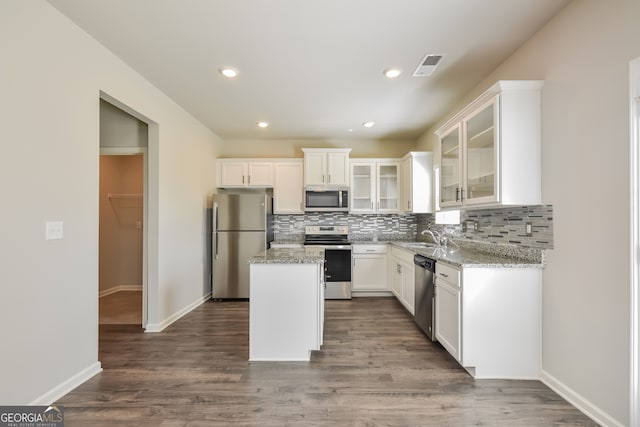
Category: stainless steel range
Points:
column 334, row 239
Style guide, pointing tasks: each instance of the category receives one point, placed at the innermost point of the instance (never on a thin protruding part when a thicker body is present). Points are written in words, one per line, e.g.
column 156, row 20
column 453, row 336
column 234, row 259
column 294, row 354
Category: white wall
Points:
column 50, row 79
column 583, row 55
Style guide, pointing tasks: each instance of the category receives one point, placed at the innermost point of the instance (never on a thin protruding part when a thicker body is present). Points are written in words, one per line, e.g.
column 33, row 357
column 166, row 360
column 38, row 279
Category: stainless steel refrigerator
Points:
column 242, row 228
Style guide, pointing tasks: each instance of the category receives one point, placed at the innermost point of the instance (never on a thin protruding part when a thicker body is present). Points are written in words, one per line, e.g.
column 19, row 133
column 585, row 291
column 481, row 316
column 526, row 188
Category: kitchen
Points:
column 584, row 324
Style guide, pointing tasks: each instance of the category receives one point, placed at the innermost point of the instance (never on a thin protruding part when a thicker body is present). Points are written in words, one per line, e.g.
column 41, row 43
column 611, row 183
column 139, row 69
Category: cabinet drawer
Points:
column 448, row 273
column 370, row 249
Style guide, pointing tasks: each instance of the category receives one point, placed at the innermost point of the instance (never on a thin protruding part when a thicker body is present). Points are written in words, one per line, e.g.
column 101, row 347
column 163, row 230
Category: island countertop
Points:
column 289, row 256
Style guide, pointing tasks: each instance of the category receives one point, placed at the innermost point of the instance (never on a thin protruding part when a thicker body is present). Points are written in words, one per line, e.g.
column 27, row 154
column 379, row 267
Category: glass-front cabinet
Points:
column 375, row 186
column 450, row 167
column 480, row 150
column 490, row 151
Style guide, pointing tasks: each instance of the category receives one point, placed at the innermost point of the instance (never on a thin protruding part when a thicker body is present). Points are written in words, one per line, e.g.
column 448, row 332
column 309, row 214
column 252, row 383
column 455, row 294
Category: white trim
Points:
column 159, row 327
column 634, row 131
column 67, row 386
column 113, row 290
column 584, row 405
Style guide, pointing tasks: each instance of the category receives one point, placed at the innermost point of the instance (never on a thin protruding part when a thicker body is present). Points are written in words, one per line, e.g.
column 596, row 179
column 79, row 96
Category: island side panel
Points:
column 502, row 322
column 284, row 311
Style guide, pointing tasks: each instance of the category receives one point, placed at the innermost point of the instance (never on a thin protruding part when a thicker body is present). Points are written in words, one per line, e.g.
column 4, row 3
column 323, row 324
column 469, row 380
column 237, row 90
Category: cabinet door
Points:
column 406, row 186
column 260, row 174
column 337, row 168
column 396, row 279
column 362, row 188
column 448, row 303
column 233, row 174
column 315, row 168
column 369, row 273
column 288, row 188
column 480, row 144
column 388, row 193
column 408, row 287
column 450, row 170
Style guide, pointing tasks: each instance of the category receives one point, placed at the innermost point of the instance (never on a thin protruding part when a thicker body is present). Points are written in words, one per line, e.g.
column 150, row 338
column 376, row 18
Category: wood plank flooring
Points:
column 121, row 308
column 376, row 369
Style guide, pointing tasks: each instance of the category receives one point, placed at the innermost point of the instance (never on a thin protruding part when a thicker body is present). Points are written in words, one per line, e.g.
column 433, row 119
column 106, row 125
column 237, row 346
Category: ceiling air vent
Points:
column 428, row 65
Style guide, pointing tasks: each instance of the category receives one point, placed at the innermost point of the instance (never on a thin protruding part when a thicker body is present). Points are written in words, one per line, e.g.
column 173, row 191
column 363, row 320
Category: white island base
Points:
column 286, row 311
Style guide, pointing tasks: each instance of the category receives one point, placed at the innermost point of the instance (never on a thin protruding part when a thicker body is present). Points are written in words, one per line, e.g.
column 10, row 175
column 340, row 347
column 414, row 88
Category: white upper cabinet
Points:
column 417, row 183
column 326, row 166
column 375, row 186
column 288, row 187
column 244, row 173
column 490, row 151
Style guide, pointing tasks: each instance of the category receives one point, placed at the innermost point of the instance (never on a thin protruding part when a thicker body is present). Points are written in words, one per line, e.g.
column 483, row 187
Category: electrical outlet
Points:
column 54, row 230
column 476, row 227
column 528, row 227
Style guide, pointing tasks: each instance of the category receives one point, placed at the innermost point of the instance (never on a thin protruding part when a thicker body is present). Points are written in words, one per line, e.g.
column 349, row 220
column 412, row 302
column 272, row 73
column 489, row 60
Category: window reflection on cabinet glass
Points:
column 362, row 197
column 449, row 168
column 480, row 154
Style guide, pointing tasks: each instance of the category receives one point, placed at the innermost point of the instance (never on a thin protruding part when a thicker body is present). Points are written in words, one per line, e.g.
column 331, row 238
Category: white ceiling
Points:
column 312, row 68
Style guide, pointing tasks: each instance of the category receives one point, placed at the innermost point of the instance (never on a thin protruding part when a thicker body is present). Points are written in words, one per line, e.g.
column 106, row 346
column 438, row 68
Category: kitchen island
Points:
column 286, row 308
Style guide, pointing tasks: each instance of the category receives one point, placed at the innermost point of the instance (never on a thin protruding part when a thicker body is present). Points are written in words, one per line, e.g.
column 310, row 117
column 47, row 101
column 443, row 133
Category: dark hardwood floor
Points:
column 376, row 369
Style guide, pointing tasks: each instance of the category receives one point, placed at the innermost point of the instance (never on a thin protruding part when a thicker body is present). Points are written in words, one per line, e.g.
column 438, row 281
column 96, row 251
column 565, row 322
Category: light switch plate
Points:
column 54, row 230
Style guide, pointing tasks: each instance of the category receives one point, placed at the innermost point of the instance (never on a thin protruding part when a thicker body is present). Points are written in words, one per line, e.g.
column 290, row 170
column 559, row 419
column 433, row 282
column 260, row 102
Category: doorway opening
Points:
column 121, row 239
column 128, row 142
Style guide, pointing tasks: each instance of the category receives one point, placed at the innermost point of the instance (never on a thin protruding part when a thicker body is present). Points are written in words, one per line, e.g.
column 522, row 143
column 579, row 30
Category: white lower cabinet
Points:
column 403, row 277
column 489, row 319
column 369, row 273
column 448, row 302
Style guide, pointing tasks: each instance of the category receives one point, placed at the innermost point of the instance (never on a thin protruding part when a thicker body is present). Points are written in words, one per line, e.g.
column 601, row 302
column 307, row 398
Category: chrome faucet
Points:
column 435, row 236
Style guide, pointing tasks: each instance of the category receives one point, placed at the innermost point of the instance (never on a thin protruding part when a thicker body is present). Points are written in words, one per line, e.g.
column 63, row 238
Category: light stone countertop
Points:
column 289, row 256
column 467, row 256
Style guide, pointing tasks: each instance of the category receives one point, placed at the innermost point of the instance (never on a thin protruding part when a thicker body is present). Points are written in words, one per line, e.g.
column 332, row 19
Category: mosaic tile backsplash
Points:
column 361, row 227
column 500, row 225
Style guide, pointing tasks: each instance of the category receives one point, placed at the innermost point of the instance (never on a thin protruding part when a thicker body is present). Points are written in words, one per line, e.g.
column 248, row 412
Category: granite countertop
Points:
column 289, row 256
column 469, row 256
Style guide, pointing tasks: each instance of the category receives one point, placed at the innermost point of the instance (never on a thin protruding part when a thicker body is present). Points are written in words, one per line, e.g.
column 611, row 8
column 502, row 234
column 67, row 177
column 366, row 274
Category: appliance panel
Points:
column 241, row 211
column 231, row 253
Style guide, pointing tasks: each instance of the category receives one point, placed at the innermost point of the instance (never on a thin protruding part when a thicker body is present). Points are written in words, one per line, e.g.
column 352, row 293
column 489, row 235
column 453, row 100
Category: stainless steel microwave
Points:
column 326, row 199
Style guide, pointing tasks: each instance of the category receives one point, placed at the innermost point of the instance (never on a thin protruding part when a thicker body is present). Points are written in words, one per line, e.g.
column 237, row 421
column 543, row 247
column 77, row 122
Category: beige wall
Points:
column 51, row 78
column 120, row 237
column 291, row 148
column 583, row 56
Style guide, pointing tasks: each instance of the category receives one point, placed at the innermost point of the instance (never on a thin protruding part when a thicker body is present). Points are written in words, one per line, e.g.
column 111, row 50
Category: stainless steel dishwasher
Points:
column 424, row 314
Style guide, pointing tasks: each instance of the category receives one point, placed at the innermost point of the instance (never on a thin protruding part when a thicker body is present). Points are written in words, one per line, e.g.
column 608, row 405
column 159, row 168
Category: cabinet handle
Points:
column 378, row 205
column 249, row 179
column 323, row 178
column 457, row 193
column 462, row 194
column 329, row 182
column 444, row 275
column 370, row 250
column 243, row 179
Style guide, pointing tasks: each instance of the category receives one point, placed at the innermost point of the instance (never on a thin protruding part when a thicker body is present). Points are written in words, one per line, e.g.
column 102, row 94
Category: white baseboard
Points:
column 158, row 327
column 113, row 290
column 584, row 405
column 65, row 387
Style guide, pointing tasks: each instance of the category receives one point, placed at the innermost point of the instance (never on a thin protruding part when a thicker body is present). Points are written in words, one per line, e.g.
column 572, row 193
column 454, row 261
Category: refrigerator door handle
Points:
column 215, row 230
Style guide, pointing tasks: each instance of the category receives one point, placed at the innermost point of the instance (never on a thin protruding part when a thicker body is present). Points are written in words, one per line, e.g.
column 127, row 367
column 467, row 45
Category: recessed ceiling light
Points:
column 368, row 124
column 392, row 73
column 228, row 72
column 263, row 124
